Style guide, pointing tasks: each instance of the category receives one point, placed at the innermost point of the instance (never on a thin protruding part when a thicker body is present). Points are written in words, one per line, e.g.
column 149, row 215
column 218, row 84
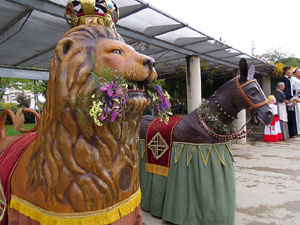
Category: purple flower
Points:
column 119, row 91
column 113, row 116
column 101, row 118
column 113, row 95
column 109, row 92
column 162, row 106
column 157, row 88
column 103, row 87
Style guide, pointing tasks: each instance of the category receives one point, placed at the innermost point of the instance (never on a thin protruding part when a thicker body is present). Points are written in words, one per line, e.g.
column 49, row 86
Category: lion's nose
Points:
column 149, row 62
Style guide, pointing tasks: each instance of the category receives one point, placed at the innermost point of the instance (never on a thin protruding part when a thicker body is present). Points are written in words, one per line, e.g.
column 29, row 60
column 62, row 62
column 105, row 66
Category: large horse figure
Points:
column 190, row 179
column 241, row 92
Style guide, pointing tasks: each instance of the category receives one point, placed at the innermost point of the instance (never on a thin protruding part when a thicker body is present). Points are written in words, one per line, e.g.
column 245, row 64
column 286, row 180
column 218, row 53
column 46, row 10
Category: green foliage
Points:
column 29, row 118
column 274, row 55
column 35, row 86
column 44, row 85
column 23, row 100
column 212, row 119
column 26, row 84
column 280, row 59
column 12, row 106
column 208, row 83
column 5, row 84
column 176, row 87
column 291, row 61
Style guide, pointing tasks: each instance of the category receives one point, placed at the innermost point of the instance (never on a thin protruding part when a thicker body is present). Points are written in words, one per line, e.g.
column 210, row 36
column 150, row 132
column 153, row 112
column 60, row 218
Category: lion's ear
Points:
column 63, row 48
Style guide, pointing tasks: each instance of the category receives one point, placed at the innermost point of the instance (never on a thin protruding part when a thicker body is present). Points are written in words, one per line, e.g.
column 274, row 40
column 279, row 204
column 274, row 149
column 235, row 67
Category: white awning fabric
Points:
column 30, row 29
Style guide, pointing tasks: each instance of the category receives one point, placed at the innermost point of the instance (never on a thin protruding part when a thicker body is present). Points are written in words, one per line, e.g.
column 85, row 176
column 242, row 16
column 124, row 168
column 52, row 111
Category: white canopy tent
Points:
column 30, row 29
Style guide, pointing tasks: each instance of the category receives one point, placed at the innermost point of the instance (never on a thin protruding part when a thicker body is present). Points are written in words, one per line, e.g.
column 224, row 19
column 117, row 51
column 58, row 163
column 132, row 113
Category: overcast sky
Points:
column 266, row 23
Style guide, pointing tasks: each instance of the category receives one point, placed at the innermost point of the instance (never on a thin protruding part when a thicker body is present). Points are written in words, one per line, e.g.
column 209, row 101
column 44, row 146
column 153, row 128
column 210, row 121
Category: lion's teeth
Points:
column 134, row 88
column 143, row 88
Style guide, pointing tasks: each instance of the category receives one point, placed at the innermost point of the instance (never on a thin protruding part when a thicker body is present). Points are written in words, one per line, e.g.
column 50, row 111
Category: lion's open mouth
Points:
column 137, row 90
column 137, row 98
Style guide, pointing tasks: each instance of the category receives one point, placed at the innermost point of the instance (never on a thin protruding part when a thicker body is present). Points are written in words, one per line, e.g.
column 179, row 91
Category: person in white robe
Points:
column 296, row 86
column 282, row 113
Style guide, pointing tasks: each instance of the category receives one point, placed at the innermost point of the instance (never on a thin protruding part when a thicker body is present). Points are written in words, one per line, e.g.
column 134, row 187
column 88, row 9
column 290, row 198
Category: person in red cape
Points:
column 272, row 131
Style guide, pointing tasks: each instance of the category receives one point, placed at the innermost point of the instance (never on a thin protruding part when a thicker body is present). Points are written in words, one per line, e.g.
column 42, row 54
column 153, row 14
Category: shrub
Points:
column 12, row 106
column 29, row 118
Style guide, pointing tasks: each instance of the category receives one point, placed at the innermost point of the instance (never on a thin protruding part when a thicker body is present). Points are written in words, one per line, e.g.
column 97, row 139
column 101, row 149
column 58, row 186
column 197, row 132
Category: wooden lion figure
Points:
column 72, row 171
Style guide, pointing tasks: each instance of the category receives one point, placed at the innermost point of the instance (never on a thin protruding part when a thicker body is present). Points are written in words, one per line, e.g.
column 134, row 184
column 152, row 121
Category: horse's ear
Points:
column 251, row 72
column 243, row 70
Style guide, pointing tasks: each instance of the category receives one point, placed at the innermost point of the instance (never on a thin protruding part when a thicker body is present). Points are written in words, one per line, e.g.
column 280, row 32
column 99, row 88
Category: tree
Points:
column 5, row 84
column 291, row 61
column 274, row 55
column 176, row 87
column 280, row 59
column 23, row 100
column 35, row 86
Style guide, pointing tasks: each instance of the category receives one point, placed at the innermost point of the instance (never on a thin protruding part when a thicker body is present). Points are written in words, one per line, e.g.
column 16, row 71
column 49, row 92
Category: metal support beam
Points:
column 162, row 29
column 217, row 50
column 154, row 41
column 42, row 6
column 15, row 20
column 129, row 10
column 36, row 55
column 24, row 74
column 159, row 43
column 231, row 56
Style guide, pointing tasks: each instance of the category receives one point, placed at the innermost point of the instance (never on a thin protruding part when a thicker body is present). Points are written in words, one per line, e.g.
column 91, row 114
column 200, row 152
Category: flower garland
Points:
column 109, row 101
column 161, row 101
column 208, row 119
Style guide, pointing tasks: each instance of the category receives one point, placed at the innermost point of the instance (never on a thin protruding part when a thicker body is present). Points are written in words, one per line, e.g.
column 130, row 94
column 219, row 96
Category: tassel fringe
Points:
column 100, row 217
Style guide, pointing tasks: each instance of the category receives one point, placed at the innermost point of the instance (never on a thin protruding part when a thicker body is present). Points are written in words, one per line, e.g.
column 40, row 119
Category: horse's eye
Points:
column 116, row 51
column 252, row 93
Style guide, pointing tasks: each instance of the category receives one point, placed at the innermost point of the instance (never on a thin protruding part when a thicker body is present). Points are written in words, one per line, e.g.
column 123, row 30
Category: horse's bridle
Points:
column 248, row 100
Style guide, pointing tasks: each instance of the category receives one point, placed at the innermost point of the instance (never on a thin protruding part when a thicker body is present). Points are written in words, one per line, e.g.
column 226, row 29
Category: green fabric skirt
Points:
column 200, row 188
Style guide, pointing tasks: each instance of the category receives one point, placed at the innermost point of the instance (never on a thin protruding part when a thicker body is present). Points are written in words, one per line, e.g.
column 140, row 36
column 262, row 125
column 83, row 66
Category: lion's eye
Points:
column 116, row 51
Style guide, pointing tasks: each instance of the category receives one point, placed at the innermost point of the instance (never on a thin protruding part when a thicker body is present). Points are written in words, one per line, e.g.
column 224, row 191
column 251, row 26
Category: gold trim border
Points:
column 98, row 217
column 190, row 156
column 157, row 169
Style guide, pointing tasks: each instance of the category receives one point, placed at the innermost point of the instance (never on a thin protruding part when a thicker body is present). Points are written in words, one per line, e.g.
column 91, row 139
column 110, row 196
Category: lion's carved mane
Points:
column 75, row 161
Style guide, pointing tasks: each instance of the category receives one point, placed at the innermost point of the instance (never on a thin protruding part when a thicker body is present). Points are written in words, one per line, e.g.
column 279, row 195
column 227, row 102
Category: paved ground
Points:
column 267, row 184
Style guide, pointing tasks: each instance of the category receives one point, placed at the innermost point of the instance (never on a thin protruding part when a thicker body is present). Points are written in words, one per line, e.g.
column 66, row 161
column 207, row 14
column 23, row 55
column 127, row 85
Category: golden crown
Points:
column 91, row 12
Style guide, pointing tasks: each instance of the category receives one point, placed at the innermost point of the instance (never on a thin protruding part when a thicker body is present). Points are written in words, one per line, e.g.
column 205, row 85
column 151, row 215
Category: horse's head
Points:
column 253, row 96
column 242, row 92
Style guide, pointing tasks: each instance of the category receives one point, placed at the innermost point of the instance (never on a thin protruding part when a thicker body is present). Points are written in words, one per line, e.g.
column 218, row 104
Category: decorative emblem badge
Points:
column 2, row 202
column 158, row 146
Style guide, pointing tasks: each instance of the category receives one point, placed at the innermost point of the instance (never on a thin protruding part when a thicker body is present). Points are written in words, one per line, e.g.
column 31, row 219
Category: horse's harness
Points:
column 248, row 100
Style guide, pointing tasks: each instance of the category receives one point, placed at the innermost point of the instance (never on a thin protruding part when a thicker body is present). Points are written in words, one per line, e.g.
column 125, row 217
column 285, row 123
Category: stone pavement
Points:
column 267, row 184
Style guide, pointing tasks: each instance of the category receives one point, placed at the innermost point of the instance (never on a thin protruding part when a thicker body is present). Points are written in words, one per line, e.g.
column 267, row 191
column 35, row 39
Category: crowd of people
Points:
column 285, row 105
